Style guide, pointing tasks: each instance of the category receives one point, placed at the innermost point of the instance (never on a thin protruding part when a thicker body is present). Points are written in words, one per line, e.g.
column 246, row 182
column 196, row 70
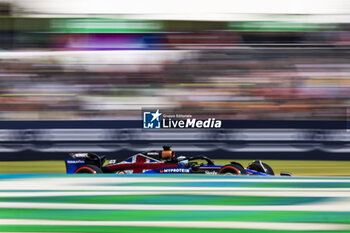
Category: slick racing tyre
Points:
column 89, row 169
column 232, row 170
column 256, row 166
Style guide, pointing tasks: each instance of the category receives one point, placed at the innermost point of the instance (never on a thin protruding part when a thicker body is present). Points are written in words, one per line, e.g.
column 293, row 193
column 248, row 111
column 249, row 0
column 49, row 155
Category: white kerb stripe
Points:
column 254, row 193
column 336, row 206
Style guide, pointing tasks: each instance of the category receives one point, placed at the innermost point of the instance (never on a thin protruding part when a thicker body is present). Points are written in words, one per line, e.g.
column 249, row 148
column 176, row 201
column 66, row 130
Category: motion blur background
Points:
column 103, row 61
column 76, row 74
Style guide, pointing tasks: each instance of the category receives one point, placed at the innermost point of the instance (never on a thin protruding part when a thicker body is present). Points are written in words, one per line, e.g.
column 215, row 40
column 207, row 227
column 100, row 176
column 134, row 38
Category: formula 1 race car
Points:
column 162, row 162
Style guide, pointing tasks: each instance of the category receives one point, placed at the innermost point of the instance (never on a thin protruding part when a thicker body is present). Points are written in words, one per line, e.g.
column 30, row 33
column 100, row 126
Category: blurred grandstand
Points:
column 266, row 67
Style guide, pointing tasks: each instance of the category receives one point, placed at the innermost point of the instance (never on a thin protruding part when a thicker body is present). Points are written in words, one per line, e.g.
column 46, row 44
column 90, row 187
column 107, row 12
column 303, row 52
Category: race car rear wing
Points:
column 73, row 164
column 79, row 159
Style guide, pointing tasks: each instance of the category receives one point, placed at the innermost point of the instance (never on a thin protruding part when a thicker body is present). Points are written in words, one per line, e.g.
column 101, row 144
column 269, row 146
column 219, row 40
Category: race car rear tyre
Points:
column 256, row 166
column 232, row 170
column 88, row 169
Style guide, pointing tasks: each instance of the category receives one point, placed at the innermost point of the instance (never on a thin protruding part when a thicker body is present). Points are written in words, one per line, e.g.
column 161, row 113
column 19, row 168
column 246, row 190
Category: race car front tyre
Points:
column 232, row 170
column 88, row 169
column 261, row 167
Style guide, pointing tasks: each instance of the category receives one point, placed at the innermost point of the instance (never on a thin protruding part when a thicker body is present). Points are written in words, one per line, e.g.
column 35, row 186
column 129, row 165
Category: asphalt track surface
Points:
column 173, row 203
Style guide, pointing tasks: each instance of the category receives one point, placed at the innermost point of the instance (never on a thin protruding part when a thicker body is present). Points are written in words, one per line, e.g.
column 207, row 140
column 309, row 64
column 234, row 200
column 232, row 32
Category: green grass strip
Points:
column 172, row 199
column 176, row 215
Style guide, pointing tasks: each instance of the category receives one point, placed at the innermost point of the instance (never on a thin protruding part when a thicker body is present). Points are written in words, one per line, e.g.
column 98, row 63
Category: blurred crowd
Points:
column 241, row 83
column 206, row 70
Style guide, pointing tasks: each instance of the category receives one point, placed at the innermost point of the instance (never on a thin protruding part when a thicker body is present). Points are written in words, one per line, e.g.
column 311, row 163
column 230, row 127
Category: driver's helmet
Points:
column 167, row 153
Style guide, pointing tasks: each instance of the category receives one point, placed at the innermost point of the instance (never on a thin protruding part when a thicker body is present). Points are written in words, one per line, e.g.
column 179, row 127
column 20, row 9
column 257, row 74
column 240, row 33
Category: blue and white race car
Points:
column 162, row 162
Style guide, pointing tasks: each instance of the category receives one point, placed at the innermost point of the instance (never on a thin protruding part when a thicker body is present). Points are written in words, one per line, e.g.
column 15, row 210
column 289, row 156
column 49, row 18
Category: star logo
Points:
column 156, row 115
